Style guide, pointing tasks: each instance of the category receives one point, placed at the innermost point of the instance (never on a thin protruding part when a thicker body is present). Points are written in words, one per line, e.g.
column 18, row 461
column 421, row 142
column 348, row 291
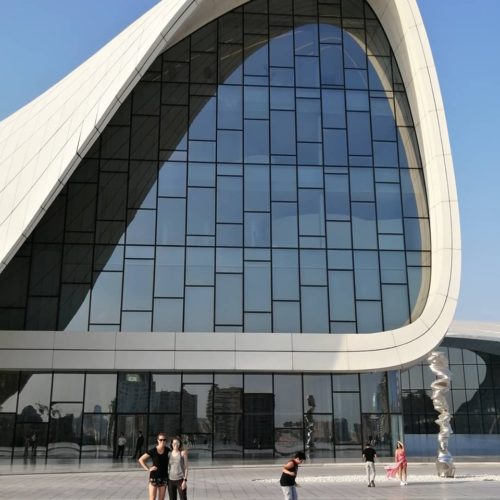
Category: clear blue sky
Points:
column 43, row 40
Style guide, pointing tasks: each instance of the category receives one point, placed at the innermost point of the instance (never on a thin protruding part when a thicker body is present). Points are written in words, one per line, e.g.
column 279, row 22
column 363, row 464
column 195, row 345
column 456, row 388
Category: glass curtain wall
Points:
column 230, row 415
column 263, row 176
column 474, row 398
column 236, row 415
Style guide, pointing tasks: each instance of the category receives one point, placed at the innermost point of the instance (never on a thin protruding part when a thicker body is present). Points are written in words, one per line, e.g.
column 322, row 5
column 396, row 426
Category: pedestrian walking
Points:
column 369, row 455
column 289, row 475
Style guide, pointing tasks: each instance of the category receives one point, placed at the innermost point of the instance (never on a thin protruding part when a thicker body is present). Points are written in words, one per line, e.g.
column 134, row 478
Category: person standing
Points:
column 122, row 441
column 289, row 475
column 178, row 470
column 369, row 455
column 400, row 465
column 158, row 472
column 139, row 445
column 34, row 444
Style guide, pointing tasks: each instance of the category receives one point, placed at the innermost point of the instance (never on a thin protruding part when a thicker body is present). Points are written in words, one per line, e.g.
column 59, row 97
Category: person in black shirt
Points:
column 369, row 455
column 139, row 445
column 158, row 472
column 289, row 474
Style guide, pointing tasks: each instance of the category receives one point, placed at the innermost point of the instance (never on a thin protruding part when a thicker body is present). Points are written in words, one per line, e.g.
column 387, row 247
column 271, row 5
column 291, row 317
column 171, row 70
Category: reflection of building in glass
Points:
column 195, row 201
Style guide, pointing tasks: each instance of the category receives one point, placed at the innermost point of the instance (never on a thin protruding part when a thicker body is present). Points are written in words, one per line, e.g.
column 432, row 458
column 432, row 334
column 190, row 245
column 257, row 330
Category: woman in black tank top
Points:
column 158, row 472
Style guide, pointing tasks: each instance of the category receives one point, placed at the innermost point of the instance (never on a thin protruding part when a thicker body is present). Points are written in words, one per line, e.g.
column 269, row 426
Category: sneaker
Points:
column 373, row 483
column 402, row 483
column 369, row 485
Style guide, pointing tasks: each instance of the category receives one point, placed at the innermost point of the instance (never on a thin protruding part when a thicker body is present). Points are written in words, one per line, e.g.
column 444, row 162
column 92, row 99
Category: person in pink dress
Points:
column 400, row 466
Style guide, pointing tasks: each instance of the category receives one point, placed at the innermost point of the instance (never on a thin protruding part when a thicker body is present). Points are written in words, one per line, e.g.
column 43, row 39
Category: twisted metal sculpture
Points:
column 438, row 363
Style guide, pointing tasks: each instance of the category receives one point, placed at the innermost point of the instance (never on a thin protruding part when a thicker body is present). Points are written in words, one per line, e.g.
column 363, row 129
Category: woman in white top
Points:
column 178, row 469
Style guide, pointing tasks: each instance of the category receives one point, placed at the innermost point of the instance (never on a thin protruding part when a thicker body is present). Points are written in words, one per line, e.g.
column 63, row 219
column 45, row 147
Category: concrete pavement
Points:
column 251, row 482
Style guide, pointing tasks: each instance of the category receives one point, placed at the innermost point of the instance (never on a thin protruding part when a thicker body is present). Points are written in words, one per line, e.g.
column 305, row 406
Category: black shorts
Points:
column 158, row 481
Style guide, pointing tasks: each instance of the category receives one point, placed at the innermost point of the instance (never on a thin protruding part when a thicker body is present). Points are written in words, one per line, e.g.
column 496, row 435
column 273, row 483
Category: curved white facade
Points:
column 42, row 144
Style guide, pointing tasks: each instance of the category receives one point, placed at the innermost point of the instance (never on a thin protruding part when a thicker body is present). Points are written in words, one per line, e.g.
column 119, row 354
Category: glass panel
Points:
column 311, row 212
column 229, row 146
column 319, row 435
column 369, row 316
column 256, row 192
column 97, row 437
column 286, row 317
column 229, row 199
column 257, row 322
column 201, row 211
column 138, row 284
column 374, row 392
column 34, row 397
column 341, row 295
column 376, row 430
column 284, row 225
column 364, row 230
column 7, row 434
column 100, row 392
column 199, row 309
column 169, row 275
column 389, row 208
column 395, row 306
column 196, row 410
column 257, row 283
column 65, row 430
column 31, row 439
column 285, row 275
column 283, row 183
column 283, row 132
column 9, row 384
column 367, row 275
column 169, row 423
column 165, row 393
column 315, row 309
column 128, row 426
column 229, row 299
column 288, row 401
column 167, row 315
column 347, row 419
column 358, row 128
column 348, row 382
column 228, row 436
column 106, row 298
column 200, row 266
column 257, row 229
column 288, row 441
column 228, row 393
column 132, row 393
column 67, row 387
column 317, row 393
column 308, row 120
column 172, row 179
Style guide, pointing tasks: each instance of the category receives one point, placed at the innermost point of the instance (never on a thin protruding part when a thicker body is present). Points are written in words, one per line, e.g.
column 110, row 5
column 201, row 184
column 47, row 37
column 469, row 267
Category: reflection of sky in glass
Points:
column 302, row 139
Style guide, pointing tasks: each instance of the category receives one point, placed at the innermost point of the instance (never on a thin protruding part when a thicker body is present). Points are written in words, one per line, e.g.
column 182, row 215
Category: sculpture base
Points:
column 445, row 466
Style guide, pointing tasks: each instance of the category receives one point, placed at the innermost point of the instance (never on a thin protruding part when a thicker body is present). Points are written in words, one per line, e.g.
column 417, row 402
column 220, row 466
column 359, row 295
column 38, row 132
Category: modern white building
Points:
column 229, row 223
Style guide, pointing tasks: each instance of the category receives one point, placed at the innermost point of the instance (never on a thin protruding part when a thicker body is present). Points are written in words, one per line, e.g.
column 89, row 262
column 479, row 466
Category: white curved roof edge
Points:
column 474, row 330
column 55, row 146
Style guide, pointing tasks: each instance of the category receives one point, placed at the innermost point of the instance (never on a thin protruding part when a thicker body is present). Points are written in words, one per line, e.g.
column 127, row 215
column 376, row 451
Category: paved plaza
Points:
column 252, row 482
